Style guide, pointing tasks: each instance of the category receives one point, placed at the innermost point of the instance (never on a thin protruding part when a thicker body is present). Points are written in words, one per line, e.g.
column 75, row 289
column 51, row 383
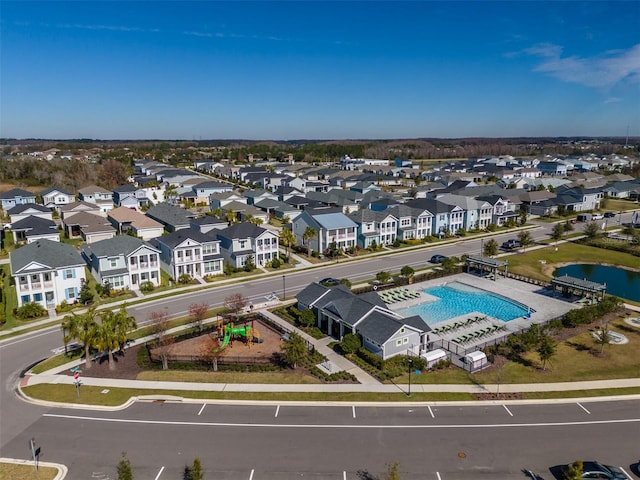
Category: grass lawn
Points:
column 619, row 205
column 118, row 396
column 229, row 377
column 13, row 471
column 534, row 263
column 57, row 360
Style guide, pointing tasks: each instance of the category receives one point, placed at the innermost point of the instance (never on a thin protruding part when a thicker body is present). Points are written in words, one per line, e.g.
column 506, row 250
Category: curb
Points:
column 62, row 469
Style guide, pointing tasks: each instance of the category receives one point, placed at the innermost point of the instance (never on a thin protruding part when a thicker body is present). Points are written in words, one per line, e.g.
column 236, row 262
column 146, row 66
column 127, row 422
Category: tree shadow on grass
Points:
column 580, row 347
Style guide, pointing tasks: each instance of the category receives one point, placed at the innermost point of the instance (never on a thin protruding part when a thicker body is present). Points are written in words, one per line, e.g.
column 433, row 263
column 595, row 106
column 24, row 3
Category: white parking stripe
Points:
column 508, row 411
column 251, row 475
column 344, row 475
column 277, row 410
column 625, row 472
column 580, row 405
column 200, row 412
column 159, row 473
column 438, row 475
column 353, row 411
column 431, row 411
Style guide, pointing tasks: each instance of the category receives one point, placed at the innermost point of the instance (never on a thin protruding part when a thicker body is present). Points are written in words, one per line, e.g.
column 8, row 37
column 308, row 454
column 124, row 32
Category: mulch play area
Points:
column 127, row 363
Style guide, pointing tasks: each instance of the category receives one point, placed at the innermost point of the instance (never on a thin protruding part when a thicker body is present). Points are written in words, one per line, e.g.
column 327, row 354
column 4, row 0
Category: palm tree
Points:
column 112, row 332
column 287, row 239
column 83, row 328
column 308, row 234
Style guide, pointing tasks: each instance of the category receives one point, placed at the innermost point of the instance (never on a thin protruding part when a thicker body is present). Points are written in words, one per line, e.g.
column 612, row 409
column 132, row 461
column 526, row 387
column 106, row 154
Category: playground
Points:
column 251, row 341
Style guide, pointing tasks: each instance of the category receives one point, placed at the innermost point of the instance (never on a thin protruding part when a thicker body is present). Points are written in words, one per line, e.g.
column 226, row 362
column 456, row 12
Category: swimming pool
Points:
column 455, row 299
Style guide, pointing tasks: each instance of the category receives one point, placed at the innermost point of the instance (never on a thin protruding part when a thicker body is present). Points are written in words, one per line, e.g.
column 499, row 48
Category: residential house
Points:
column 123, row 262
column 447, row 219
column 130, row 196
column 241, row 241
column 98, row 196
column 477, row 213
column 586, row 198
column 375, row 228
column 217, row 201
column 16, row 196
column 68, row 211
column 124, row 220
column 47, row 272
column 208, row 223
column 621, row 189
column 90, row 227
column 204, row 189
column 413, row 223
column 189, row 252
column 31, row 229
column 173, row 218
column 25, row 210
column 56, row 197
column 502, row 210
column 331, row 228
column 245, row 212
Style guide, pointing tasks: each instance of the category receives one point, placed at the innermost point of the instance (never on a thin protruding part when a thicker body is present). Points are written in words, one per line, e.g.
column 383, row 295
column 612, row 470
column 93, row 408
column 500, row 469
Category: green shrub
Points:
column 184, row 279
column 371, row 358
column 30, row 310
column 350, row 343
column 147, row 287
column 275, row 263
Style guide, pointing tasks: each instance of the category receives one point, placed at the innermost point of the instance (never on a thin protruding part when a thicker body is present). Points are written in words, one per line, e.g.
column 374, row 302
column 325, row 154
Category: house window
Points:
column 243, row 244
column 26, row 299
column 405, row 340
column 402, row 330
column 70, row 293
column 399, row 342
column 117, row 282
column 133, row 261
column 212, row 266
column 70, row 273
column 23, row 280
column 113, row 262
column 37, row 297
column 207, row 249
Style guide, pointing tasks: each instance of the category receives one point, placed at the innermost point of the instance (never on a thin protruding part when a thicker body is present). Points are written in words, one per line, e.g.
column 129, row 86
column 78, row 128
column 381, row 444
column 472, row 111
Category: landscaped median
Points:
column 13, row 469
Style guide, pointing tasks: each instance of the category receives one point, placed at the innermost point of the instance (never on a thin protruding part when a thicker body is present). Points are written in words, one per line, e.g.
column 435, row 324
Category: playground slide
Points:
column 225, row 340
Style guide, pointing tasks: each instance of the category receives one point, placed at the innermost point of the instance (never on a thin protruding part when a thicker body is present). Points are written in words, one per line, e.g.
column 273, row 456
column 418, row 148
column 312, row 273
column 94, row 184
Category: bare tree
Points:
column 197, row 312
column 163, row 341
column 235, row 303
column 210, row 351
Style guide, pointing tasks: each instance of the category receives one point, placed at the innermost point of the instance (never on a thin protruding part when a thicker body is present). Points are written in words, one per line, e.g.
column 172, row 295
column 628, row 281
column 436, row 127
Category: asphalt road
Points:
column 251, row 442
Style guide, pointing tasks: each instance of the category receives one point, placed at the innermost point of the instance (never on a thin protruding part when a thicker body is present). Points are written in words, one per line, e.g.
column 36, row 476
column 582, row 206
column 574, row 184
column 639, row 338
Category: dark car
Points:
column 329, row 282
column 597, row 470
column 438, row 258
column 609, row 215
column 511, row 243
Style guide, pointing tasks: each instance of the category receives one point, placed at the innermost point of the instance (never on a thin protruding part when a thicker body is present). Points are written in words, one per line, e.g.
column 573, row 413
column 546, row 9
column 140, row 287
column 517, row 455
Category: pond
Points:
column 620, row 282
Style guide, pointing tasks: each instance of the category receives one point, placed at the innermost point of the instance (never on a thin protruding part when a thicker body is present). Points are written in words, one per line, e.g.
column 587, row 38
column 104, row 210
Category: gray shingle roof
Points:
column 169, row 215
column 242, row 230
column 16, row 192
column 18, row 209
column 46, row 252
column 176, row 238
column 112, row 247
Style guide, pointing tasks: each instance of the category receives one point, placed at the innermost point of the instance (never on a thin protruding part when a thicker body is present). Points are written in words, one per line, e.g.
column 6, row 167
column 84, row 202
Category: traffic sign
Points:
column 76, row 375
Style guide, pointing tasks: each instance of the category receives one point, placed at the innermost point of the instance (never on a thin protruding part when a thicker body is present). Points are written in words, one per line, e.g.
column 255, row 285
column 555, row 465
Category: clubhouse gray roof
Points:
column 52, row 255
column 116, row 246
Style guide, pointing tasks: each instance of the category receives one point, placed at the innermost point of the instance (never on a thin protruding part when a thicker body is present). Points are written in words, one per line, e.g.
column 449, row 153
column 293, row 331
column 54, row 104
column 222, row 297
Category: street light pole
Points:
column 284, row 289
column 410, row 365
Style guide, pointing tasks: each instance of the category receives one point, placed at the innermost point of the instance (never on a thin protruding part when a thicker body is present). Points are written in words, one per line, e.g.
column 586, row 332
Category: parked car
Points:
column 597, row 216
column 593, row 469
column 609, row 215
column 438, row 258
column 511, row 243
column 329, row 282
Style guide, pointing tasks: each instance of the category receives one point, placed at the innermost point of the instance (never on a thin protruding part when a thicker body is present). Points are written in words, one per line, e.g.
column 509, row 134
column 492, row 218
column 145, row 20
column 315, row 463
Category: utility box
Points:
column 433, row 357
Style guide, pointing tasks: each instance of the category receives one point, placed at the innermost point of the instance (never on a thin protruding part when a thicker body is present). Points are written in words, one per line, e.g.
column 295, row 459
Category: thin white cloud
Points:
column 602, row 71
column 115, row 28
column 612, row 100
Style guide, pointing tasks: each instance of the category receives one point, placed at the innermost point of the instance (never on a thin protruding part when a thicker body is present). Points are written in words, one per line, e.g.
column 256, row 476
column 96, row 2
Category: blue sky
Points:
column 318, row 70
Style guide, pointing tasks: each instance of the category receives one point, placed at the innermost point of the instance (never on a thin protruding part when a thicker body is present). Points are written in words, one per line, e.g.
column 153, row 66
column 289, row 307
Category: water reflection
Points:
column 621, row 282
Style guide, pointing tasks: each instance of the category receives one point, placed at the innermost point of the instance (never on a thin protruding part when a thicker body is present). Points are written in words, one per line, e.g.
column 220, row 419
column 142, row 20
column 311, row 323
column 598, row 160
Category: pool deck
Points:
column 544, row 304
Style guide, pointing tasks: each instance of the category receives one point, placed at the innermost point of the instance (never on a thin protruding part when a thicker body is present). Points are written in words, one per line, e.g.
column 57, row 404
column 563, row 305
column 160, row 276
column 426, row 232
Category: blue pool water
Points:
column 455, row 299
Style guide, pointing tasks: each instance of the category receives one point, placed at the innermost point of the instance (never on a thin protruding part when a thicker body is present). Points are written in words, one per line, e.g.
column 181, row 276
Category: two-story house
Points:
column 413, row 223
column 191, row 252
column 25, row 210
column 56, row 197
column 99, row 196
column 331, row 228
column 16, row 196
column 124, row 219
column 123, row 261
column 241, row 241
column 47, row 273
column 375, row 228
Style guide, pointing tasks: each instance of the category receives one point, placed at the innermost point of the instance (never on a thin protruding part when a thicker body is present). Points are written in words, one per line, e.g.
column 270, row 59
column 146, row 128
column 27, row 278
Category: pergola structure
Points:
column 582, row 287
column 487, row 264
